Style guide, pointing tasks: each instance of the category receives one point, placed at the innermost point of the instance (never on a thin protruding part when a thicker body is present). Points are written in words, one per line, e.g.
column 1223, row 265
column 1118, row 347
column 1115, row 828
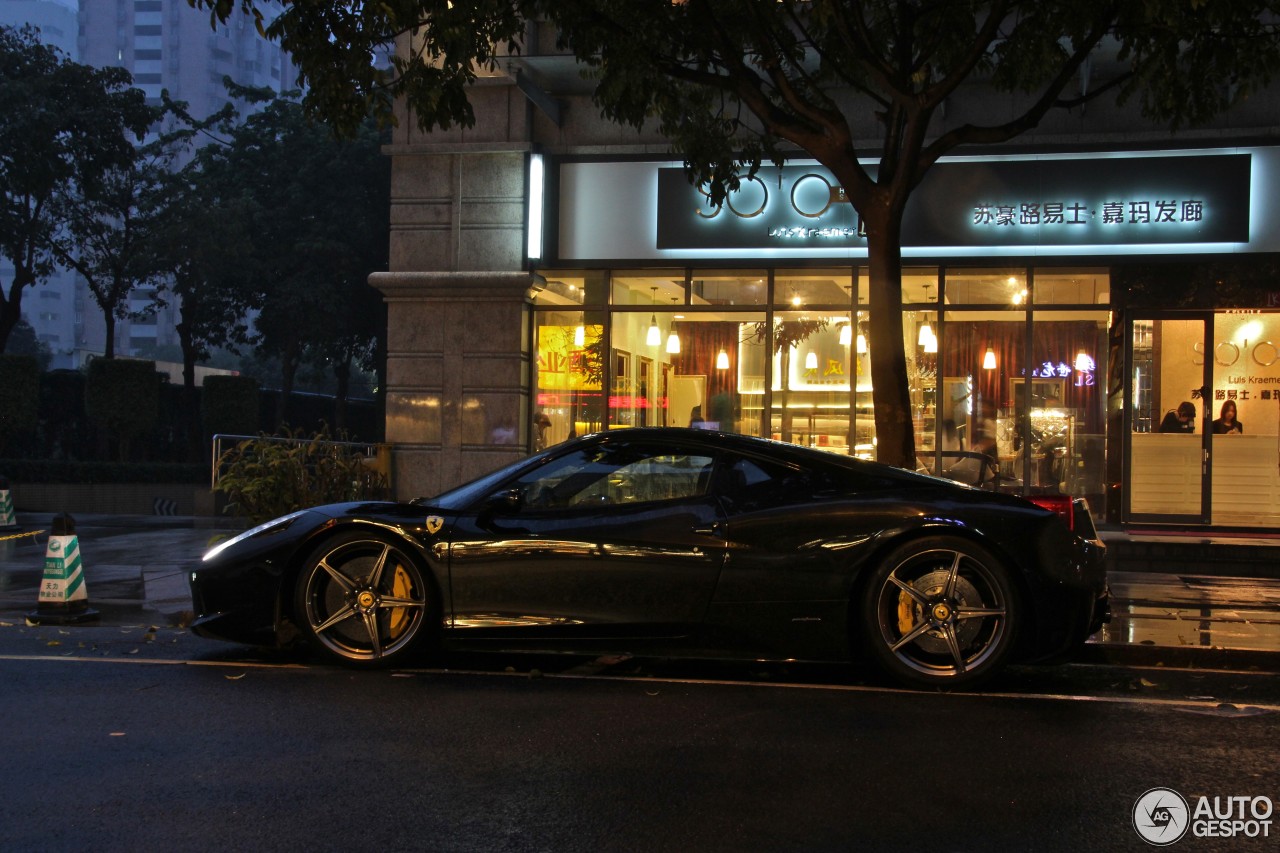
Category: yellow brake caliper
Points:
column 399, row 616
column 906, row 613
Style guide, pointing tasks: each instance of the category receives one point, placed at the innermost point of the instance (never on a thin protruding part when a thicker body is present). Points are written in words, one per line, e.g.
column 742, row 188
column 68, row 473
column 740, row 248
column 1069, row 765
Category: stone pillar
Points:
column 457, row 375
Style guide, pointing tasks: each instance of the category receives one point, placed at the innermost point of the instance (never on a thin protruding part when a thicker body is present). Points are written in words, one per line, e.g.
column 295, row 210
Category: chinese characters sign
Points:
column 1079, row 201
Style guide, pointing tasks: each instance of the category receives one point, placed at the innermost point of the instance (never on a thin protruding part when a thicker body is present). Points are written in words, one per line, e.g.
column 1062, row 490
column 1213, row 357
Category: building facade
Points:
column 553, row 274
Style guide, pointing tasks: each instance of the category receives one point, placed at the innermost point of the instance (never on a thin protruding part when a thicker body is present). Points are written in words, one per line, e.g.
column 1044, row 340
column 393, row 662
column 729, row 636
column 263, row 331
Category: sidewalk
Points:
column 139, row 564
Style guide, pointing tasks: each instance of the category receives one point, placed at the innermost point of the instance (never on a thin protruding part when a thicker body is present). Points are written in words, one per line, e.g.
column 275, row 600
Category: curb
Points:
column 1183, row 657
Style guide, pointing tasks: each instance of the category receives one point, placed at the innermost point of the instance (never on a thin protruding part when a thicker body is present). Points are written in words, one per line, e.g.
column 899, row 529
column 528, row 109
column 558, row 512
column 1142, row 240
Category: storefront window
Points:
column 1007, row 287
column 729, row 287
column 1025, row 409
column 1244, row 418
column 981, row 373
column 1065, row 401
column 703, row 369
column 716, row 381
column 919, row 285
column 1086, row 286
column 655, row 288
column 569, row 372
column 798, row 289
column 568, row 288
column 920, row 329
column 817, row 374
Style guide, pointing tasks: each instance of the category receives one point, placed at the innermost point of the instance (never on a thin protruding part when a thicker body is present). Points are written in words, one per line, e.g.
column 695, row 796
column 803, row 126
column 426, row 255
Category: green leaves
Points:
column 271, row 476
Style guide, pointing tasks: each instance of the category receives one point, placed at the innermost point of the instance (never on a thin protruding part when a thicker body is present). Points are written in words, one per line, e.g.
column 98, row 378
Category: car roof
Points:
column 769, row 448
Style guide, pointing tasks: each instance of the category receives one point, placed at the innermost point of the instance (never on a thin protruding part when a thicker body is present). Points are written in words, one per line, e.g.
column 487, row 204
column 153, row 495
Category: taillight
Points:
column 1063, row 505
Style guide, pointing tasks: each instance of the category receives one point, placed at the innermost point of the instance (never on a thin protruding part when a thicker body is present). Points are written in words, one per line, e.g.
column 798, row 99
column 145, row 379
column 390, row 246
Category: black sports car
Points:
column 665, row 541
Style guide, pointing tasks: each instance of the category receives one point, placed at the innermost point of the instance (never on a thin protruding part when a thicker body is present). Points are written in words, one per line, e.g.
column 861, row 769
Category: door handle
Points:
column 716, row 529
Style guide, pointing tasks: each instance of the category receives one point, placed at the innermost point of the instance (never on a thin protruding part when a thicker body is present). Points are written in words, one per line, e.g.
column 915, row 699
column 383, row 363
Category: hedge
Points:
column 59, row 471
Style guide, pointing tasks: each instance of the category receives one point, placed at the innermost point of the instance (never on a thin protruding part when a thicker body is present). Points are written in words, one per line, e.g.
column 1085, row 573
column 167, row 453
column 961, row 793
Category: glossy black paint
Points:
column 736, row 571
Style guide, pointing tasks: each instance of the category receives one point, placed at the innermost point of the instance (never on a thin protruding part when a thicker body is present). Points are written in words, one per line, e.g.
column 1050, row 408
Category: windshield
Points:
column 461, row 497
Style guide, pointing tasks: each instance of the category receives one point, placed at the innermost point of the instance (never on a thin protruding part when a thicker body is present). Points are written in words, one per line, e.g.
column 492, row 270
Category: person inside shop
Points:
column 1183, row 419
column 1226, row 424
column 540, row 423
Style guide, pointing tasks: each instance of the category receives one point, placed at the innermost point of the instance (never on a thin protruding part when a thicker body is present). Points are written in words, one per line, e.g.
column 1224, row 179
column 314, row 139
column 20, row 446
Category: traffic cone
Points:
column 64, row 597
column 7, row 521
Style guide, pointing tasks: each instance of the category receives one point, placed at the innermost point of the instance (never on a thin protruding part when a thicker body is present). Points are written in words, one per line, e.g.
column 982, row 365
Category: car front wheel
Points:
column 363, row 600
column 940, row 612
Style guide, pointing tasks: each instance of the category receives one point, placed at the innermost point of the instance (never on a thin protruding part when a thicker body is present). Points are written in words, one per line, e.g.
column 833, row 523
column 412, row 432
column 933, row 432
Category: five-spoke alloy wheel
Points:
column 363, row 600
column 940, row 612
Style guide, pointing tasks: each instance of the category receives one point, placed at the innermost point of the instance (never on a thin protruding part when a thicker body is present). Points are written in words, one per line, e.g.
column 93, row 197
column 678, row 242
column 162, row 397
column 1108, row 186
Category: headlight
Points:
column 274, row 524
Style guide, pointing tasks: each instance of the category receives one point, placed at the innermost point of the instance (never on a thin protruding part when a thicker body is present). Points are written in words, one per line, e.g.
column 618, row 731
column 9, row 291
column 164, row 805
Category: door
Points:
column 619, row 538
column 1167, row 461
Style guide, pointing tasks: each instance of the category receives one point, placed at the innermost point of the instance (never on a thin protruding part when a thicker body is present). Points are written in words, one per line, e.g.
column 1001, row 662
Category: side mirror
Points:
column 507, row 500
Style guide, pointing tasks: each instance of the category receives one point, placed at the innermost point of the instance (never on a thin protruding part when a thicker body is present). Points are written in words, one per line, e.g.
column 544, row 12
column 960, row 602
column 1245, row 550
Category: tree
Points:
column 61, row 124
column 733, row 83
column 318, row 211
column 196, row 247
column 109, row 223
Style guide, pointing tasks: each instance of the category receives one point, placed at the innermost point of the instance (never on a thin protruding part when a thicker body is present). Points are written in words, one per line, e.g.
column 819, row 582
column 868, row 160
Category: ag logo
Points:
column 55, row 545
column 1161, row 816
column 434, row 523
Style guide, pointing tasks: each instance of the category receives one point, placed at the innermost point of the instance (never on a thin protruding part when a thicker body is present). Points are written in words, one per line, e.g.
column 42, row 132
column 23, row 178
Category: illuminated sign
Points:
column 1139, row 200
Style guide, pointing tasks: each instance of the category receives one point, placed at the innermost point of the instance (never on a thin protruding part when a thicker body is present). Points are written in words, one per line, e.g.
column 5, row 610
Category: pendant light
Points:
column 862, row 344
column 811, row 361
column 580, row 335
column 1084, row 364
column 989, row 360
column 654, row 336
column 932, row 344
column 673, row 340
column 926, row 333
column 846, row 334
column 722, row 360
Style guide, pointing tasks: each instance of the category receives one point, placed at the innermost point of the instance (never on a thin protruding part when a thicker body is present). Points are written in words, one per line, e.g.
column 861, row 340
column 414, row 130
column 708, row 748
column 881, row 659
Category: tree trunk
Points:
column 895, row 432
column 288, row 369
column 11, row 308
column 342, row 371
column 192, row 437
column 109, row 348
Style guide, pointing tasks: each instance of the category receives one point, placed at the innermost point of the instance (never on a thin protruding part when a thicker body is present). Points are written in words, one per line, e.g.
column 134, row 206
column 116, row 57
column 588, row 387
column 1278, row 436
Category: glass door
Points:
column 1167, row 454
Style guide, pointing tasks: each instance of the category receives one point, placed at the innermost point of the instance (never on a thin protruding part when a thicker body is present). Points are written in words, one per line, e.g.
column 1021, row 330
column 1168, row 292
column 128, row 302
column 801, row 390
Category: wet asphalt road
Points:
column 118, row 737
column 133, row 734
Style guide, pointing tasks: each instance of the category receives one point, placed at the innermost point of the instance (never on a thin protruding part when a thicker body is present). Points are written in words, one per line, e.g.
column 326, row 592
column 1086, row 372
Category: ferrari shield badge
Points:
column 434, row 523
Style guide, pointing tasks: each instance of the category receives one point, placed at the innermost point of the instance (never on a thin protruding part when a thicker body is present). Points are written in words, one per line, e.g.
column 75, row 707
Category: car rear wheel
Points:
column 940, row 612
column 363, row 600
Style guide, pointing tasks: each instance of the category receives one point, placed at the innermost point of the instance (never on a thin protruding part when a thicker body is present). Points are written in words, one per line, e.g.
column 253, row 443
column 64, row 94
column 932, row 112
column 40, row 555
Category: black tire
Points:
column 940, row 612
column 362, row 600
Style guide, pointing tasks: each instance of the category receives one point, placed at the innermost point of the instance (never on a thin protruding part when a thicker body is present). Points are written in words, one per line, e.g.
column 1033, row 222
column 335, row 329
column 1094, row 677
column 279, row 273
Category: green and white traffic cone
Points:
column 64, row 596
column 7, row 520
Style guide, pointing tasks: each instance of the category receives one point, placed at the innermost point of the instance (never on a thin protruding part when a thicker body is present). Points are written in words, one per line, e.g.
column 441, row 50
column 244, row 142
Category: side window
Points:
column 615, row 473
column 755, row 484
